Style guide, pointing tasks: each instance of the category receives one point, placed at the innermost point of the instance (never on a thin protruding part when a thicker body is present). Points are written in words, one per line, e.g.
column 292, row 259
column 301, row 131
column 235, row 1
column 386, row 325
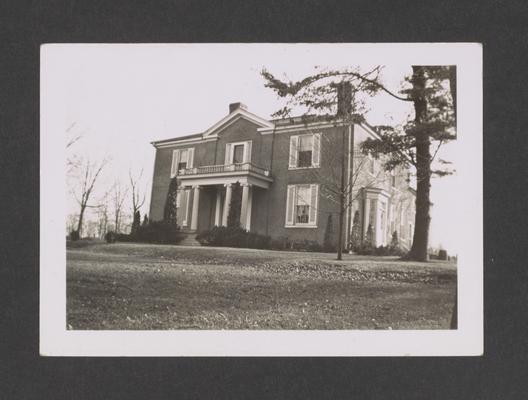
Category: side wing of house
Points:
column 384, row 201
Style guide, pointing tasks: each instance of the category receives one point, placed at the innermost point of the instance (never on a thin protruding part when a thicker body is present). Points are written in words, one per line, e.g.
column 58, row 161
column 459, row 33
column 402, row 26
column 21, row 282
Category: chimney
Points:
column 235, row 106
column 344, row 99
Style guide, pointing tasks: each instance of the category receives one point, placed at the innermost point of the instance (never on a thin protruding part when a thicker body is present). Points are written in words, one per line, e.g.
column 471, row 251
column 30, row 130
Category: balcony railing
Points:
column 217, row 169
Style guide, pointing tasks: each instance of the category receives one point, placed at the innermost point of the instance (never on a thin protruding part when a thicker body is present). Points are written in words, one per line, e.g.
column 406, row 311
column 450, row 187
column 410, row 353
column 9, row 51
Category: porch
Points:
column 210, row 193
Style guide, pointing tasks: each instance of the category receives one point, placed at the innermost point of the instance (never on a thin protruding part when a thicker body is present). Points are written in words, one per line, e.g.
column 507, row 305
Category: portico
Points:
column 220, row 180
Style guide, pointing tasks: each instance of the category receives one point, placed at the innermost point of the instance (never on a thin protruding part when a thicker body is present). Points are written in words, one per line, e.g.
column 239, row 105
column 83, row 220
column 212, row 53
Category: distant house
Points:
column 285, row 170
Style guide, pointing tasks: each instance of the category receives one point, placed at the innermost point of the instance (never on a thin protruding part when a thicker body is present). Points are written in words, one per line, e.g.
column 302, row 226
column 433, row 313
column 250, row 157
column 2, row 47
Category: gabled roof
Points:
column 212, row 132
column 235, row 116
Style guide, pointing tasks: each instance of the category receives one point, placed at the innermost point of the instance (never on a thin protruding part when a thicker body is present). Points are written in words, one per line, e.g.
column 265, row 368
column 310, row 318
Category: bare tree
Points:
column 434, row 123
column 138, row 197
column 342, row 183
column 119, row 194
column 88, row 172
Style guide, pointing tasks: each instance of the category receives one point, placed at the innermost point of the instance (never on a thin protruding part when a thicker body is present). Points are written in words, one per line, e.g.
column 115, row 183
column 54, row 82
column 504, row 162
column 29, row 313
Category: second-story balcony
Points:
column 226, row 173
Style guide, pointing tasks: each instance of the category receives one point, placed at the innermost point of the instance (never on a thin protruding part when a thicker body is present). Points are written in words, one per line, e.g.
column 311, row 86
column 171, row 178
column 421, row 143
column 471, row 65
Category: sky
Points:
column 119, row 98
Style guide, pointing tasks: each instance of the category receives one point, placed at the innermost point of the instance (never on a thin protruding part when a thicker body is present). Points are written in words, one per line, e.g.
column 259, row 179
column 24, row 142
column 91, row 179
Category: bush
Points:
column 161, row 232
column 366, row 249
column 110, row 237
column 74, row 236
column 308, row 245
column 233, row 236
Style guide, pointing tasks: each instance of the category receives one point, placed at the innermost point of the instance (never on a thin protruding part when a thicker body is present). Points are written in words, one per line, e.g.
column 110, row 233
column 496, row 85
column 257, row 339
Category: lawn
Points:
column 139, row 286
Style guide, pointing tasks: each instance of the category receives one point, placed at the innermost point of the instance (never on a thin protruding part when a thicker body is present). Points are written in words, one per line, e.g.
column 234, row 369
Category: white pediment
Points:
column 233, row 117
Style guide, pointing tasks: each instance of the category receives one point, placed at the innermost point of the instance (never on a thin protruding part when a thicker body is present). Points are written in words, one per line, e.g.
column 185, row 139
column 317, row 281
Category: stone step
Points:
column 189, row 240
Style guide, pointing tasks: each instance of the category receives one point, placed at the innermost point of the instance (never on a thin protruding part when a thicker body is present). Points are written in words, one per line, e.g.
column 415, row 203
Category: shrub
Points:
column 157, row 232
column 136, row 223
column 280, row 243
column 442, row 254
column 367, row 249
column 394, row 248
column 233, row 236
column 111, row 237
column 74, row 236
column 309, row 245
column 355, row 239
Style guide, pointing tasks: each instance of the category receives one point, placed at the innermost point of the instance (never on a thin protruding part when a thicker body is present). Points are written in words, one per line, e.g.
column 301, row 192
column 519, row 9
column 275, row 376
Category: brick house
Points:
column 285, row 173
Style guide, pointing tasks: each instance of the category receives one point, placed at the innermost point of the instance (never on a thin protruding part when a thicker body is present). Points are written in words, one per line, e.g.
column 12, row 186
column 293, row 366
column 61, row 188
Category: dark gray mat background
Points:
column 501, row 25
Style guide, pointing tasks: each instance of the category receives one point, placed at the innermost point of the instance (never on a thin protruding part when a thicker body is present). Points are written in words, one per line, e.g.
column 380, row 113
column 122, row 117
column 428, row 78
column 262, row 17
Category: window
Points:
column 181, row 159
column 305, row 151
column 393, row 178
column 302, row 211
column 301, row 205
column 184, row 157
column 238, row 153
column 304, row 158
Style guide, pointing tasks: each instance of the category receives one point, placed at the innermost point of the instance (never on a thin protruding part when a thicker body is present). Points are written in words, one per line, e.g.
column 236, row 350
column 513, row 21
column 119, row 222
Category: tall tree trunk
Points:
column 422, row 221
column 344, row 109
column 341, row 201
column 80, row 223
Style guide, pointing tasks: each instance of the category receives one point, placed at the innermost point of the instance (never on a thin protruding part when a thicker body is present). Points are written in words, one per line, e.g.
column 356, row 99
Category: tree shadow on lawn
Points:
column 120, row 298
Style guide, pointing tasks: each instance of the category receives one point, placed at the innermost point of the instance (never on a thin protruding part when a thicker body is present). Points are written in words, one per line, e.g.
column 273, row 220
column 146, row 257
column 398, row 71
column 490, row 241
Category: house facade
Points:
column 284, row 176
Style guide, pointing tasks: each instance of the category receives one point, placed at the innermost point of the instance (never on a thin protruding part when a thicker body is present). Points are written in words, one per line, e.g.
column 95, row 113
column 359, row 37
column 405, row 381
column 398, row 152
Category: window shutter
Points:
column 290, row 205
column 294, row 141
column 175, row 161
column 247, row 155
column 316, row 151
column 314, row 191
column 227, row 154
column 190, row 157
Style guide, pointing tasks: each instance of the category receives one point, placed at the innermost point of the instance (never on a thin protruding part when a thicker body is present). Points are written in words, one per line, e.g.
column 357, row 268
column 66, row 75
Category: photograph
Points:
column 260, row 197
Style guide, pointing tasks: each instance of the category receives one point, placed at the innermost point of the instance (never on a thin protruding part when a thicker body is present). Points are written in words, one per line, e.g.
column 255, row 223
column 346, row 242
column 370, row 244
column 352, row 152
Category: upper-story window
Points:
column 393, row 178
column 181, row 159
column 238, row 153
column 305, row 151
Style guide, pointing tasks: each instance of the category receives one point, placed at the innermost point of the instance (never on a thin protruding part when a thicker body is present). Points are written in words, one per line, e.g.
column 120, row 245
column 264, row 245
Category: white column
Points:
column 218, row 205
column 244, row 206
column 196, row 202
column 366, row 215
column 250, row 202
column 227, row 204
column 375, row 224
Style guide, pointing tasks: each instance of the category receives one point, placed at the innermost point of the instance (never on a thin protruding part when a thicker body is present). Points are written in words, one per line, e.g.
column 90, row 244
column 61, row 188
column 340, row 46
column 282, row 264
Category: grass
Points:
column 139, row 286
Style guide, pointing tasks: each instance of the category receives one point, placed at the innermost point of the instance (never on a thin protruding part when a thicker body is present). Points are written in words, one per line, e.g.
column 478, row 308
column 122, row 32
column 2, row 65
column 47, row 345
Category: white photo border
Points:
column 467, row 340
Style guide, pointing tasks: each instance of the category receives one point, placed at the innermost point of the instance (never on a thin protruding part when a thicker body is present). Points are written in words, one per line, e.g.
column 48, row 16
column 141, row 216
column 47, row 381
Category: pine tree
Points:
column 169, row 214
column 355, row 236
column 432, row 92
column 395, row 241
column 369, row 237
column 233, row 217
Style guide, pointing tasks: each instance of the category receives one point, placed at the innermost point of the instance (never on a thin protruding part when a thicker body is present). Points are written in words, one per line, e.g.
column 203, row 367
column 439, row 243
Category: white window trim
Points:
column 294, row 205
column 245, row 156
column 176, row 157
column 293, row 167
